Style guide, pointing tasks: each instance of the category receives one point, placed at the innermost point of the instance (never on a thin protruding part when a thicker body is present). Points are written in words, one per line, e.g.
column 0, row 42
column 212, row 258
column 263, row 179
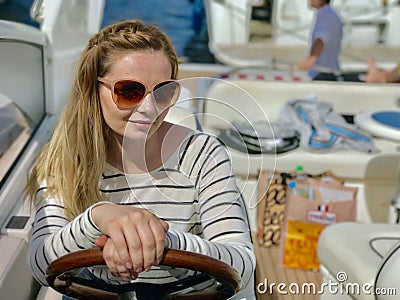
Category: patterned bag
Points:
column 271, row 207
column 272, row 195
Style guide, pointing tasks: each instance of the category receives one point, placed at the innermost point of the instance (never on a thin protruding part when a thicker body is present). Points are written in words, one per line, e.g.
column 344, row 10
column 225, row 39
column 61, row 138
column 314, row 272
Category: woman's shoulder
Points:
column 197, row 138
column 198, row 143
column 200, row 147
column 175, row 134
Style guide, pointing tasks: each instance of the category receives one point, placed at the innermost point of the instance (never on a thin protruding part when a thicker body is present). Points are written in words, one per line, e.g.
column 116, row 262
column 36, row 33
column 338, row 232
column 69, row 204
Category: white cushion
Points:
column 182, row 116
column 358, row 250
column 387, row 275
column 47, row 293
column 16, row 281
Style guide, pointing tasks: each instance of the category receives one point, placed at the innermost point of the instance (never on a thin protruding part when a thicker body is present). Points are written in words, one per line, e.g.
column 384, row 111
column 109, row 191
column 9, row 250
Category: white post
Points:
column 392, row 34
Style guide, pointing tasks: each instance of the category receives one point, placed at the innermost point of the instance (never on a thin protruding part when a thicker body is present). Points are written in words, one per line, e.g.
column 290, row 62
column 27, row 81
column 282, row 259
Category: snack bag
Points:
column 301, row 245
column 311, row 206
column 272, row 190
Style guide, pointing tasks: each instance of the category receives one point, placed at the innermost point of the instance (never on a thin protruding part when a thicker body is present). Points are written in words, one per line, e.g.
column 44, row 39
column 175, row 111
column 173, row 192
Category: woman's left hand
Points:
column 112, row 259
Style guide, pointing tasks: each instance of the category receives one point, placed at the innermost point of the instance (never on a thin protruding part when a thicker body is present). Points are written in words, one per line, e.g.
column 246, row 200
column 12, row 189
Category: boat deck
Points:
column 270, row 271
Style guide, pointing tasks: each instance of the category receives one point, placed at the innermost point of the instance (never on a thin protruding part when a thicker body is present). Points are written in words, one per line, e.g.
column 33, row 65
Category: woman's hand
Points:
column 112, row 259
column 136, row 238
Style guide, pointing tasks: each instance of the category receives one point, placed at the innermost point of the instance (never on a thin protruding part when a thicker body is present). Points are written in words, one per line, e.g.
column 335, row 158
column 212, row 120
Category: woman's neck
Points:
column 135, row 156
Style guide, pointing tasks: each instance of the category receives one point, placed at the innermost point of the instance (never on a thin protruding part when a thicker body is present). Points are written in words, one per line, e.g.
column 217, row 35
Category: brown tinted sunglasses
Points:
column 129, row 93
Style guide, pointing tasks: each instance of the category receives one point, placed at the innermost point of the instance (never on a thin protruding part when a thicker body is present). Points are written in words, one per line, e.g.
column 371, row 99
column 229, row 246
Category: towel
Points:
column 323, row 129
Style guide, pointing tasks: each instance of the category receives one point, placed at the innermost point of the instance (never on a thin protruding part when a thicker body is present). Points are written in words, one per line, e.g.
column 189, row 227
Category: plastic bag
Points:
column 322, row 129
column 311, row 206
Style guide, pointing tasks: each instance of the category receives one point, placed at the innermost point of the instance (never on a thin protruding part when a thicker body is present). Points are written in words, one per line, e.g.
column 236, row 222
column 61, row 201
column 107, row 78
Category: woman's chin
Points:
column 136, row 136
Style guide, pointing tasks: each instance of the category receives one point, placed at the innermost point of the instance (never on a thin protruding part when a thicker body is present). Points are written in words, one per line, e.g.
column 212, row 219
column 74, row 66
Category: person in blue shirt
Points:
column 323, row 60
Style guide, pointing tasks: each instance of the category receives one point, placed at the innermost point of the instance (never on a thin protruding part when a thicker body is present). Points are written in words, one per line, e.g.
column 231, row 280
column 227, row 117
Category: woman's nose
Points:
column 147, row 104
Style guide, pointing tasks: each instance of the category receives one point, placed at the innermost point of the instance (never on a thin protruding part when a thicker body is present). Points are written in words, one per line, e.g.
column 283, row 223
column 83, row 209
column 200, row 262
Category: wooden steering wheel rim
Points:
column 172, row 258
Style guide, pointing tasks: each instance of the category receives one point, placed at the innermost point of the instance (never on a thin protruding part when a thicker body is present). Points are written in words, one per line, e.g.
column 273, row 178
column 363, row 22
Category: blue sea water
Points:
column 179, row 19
column 174, row 17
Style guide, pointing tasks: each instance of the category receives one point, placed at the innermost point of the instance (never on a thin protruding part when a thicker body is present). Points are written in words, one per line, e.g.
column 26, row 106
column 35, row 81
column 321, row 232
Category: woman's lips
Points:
column 143, row 125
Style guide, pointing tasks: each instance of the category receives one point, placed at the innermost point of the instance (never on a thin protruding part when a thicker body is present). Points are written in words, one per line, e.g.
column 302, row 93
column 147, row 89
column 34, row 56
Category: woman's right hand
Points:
column 137, row 235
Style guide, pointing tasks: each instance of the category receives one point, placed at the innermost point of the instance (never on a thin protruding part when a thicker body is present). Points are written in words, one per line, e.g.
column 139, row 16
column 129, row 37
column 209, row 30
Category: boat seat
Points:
column 47, row 293
column 16, row 281
column 182, row 116
column 366, row 253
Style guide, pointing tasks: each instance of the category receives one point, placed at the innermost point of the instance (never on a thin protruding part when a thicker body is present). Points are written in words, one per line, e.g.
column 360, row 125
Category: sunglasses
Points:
column 129, row 93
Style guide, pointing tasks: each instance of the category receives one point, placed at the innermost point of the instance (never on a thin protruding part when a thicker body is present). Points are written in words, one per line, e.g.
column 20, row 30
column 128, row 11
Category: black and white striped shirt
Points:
column 194, row 191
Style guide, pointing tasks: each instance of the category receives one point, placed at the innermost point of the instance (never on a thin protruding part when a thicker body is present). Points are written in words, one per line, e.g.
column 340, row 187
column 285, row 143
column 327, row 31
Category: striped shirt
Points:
column 194, row 191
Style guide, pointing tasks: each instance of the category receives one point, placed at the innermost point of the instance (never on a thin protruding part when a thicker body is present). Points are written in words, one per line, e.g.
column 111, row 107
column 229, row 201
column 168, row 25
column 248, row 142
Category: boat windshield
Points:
column 22, row 99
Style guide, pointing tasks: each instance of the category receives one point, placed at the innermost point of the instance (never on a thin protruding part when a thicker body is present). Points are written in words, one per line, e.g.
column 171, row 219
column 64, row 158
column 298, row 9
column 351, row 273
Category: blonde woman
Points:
column 117, row 176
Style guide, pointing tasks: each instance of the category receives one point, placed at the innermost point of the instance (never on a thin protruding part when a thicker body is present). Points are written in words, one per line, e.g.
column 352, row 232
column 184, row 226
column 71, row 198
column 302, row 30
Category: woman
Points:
column 118, row 176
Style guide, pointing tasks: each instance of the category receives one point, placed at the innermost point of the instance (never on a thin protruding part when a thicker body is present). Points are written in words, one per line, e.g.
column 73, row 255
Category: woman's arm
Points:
column 226, row 234
column 52, row 236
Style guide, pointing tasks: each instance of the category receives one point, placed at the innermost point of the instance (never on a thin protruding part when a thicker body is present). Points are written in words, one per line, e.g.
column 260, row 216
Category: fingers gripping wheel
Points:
column 60, row 277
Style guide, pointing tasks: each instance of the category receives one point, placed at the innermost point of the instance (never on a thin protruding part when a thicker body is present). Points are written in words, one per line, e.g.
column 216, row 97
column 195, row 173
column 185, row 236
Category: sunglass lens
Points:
column 128, row 93
column 166, row 93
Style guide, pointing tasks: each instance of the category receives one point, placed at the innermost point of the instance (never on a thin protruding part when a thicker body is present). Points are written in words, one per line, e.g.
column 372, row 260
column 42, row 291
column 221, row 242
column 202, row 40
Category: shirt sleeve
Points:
column 323, row 29
column 321, row 32
column 226, row 233
column 52, row 236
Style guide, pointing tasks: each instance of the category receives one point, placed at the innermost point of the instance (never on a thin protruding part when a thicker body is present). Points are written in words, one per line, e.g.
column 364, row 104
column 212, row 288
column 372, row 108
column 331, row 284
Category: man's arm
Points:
column 315, row 52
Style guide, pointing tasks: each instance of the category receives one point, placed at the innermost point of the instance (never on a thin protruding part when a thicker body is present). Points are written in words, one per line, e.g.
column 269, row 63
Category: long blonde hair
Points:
column 72, row 162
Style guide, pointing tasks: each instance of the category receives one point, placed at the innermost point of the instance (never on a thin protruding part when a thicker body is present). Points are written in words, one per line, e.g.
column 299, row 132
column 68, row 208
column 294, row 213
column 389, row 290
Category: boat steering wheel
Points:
column 60, row 276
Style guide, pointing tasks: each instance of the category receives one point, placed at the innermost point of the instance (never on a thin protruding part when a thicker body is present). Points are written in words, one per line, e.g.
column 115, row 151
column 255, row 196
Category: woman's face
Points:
column 140, row 122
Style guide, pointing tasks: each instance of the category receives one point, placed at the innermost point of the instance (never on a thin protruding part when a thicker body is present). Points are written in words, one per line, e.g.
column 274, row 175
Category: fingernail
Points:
column 138, row 270
column 128, row 266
